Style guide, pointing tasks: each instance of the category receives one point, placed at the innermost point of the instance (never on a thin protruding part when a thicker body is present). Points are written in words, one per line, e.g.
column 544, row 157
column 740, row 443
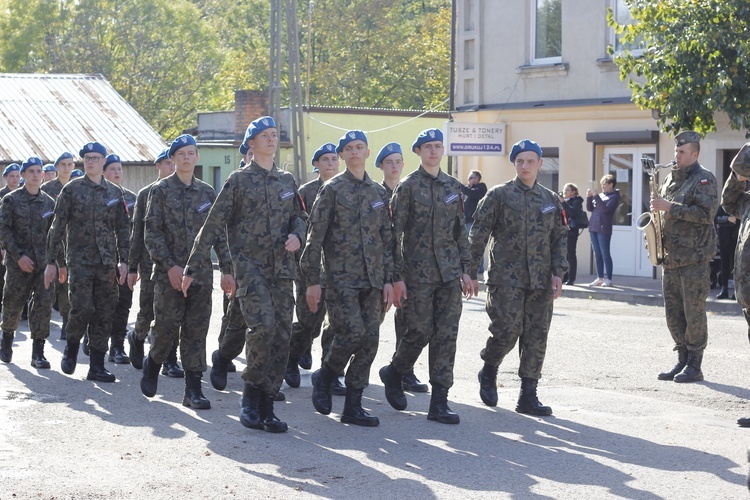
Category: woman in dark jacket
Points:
column 573, row 204
column 602, row 207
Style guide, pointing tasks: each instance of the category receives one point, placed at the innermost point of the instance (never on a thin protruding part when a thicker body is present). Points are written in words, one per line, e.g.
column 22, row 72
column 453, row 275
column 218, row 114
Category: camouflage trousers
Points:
column 399, row 322
column 226, row 301
column 145, row 309
column 233, row 330
column 92, row 291
column 186, row 318
column 685, row 292
column 354, row 316
column 518, row 315
column 266, row 307
column 60, row 295
column 326, row 338
column 121, row 314
column 307, row 327
column 18, row 287
column 432, row 313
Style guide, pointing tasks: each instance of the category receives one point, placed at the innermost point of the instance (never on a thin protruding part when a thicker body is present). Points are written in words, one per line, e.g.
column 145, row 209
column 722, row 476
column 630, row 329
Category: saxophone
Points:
column 651, row 222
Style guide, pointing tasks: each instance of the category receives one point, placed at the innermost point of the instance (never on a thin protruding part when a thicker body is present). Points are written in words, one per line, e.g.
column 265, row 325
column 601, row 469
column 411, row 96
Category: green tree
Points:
column 695, row 61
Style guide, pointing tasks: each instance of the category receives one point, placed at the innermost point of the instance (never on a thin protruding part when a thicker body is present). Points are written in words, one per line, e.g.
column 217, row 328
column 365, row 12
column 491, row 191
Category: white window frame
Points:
column 534, row 59
column 613, row 36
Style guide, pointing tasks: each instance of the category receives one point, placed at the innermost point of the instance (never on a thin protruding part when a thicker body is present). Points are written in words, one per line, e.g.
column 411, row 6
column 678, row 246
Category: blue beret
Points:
column 64, row 156
column 523, row 146
column 326, row 148
column 181, row 142
column 352, row 135
column 429, row 135
column 162, row 156
column 258, row 126
column 21, row 182
column 388, row 150
column 113, row 158
column 244, row 149
column 49, row 168
column 13, row 167
column 77, row 172
column 93, row 147
column 31, row 160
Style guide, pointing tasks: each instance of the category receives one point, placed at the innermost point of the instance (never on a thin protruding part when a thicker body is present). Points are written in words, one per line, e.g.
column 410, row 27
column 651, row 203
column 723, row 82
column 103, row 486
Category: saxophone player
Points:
column 688, row 199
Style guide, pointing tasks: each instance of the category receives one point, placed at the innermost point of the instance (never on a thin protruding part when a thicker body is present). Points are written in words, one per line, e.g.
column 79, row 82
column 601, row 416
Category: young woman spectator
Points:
column 602, row 207
column 573, row 204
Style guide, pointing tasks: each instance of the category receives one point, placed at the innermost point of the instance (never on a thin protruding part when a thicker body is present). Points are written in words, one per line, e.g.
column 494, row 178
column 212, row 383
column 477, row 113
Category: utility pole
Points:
column 295, row 88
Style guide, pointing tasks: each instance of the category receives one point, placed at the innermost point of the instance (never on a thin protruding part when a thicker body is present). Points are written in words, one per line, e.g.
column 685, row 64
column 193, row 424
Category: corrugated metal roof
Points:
column 46, row 114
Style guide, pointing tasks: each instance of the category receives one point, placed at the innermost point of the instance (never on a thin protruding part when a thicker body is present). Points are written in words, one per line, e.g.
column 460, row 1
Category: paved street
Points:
column 617, row 432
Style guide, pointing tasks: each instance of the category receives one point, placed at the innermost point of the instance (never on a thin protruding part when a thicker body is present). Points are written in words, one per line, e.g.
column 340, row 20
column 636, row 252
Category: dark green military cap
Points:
column 741, row 162
column 686, row 137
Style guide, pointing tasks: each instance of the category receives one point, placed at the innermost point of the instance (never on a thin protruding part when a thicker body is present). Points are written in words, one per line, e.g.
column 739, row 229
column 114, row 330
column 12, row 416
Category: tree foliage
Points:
column 695, row 61
column 172, row 58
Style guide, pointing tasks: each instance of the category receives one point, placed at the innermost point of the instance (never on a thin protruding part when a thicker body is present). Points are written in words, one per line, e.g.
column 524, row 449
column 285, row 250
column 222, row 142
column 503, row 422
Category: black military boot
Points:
column 136, row 351
column 488, row 384
column 411, row 383
column 394, row 393
column 86, row 349
column 96, row 368
column 692, row 372
column 682, row 357
column 63, row 328
column 70, row 357
column 439, row 410
column 6, row 347
column 528, row 402
column 117, row 351
column 269, row 421
column 219, row 371
column 353, row 411
column 150, row 378
column 279, row 396
column 743, row 421
column 321, row 394
column 231, row 367
column 305, row 361
column 194, row 397
column 170, row 367
column 37, row 355
column 338, row 388
column 291, row 376
column 723, row 293
column 250, row 413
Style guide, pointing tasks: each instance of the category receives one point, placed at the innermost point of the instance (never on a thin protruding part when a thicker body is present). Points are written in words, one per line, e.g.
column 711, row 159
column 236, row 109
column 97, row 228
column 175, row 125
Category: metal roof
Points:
column 46, row 114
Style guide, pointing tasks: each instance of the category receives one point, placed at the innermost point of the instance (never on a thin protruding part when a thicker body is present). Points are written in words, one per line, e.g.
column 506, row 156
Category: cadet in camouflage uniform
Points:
column 177, row 208
column 25, row 217
column 306, row 329
column 50, row 173
column 431, row 260
column 527, row 262
column 113, row 173
column 12, row 177
column 90, row 214
column 688, row 201
column 735, row 200
column 259, row 209
column 391, row 161
column 350, row 225
column 64, row 165
column 140, row 266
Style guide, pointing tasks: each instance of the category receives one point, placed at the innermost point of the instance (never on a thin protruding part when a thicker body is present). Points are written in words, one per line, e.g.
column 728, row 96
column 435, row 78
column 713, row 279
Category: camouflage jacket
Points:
column 138, row 257
column 388, row 190
column 129, row 198
column 309, row 192
column 736, row 202
column 350, row 225
column 25, row 220
column 688, row 227
column 528, row 237
column 96, row 221
column 428, row 227
column 53, row 188
column 174, row 217
column 257, row 210
column 5, row 191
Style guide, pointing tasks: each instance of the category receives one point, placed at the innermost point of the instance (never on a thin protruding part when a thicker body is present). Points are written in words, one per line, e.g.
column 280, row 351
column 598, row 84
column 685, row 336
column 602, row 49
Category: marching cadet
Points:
column 64, row 166
column 140, row 265
column 177, row 208
column 25, row 219
column 262, row 248
column 527, row 263
column 431, row 257
column 50, row 173
column 113, row 173
column 350, row 226
column 391, row 161
column 306, row 329
column 90, row 215
column 12, row 177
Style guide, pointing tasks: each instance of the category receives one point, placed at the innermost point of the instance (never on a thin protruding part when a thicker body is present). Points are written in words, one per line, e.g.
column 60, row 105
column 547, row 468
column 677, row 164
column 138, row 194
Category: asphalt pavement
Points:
column 616, row 432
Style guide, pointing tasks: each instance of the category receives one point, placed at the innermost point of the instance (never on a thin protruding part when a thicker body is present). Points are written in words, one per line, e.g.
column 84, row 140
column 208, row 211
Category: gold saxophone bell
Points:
column 651, row 222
